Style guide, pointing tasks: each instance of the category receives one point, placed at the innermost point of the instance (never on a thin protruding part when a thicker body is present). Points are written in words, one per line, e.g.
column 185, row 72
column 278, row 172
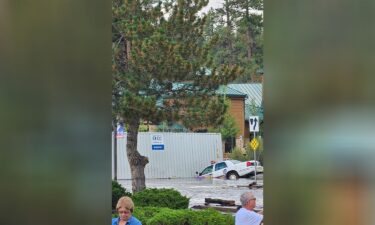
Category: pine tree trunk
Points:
column 249, row 43
column 137, row 162
column 128, row 49
column 229, row 27
column 248, row 32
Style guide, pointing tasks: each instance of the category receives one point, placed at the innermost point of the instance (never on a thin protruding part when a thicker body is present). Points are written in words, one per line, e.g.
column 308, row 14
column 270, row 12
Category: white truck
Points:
column 231, row 169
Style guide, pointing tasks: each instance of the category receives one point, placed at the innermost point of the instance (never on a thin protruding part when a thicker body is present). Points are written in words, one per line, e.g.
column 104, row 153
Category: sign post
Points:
column 254, row 144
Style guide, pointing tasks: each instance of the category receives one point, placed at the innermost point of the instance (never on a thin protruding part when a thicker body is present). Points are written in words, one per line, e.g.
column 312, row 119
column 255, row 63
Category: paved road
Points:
column 199, row 189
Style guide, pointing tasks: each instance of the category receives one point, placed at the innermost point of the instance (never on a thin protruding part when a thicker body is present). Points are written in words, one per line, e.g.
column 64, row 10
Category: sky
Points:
column 213, row 4
column 217, row 4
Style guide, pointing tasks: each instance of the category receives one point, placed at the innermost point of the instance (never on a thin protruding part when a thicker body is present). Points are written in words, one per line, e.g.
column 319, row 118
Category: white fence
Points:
column 183, row 154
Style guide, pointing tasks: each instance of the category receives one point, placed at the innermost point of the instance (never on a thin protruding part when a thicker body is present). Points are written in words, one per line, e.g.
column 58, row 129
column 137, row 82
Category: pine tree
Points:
column 239, row 27
column 250, row 27
column 250, row 21
column 162, row 70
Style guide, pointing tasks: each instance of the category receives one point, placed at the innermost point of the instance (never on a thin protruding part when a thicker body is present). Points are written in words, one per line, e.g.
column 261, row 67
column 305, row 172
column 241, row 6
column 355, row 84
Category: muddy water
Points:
column 199, row 189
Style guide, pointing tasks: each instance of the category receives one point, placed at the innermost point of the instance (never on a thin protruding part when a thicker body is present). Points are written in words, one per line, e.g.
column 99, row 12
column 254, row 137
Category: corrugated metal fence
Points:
column 183, row 154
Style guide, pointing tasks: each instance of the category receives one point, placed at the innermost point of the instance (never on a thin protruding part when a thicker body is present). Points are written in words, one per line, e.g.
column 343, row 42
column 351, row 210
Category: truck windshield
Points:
column 207, row 170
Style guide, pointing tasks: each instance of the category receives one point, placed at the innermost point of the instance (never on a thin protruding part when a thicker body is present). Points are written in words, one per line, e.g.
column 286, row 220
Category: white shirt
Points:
column 247, row 217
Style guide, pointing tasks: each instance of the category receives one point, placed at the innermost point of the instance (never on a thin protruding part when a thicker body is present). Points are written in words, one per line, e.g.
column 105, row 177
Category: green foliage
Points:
column 143, row 128
column 240, row 36
column 238, row 154
column 163, row 197
column 117, row 192
column 228, row 129
column 248, row 154
column 169, row 217
column 166, row 216
column 253, row 108
column 160, row 64
column 163, row 127
column 145, row 213
column 210, row 217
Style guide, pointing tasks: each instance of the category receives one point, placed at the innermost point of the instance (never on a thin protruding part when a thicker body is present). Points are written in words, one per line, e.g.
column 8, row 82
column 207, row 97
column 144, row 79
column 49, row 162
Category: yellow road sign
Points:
column 254, row 144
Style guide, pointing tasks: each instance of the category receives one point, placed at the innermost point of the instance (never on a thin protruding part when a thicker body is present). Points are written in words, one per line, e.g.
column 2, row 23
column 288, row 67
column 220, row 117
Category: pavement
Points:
column 197, row 189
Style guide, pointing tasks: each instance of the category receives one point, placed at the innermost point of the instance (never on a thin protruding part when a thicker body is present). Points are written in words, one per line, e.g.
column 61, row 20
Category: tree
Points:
column 239, row 26
column 250, row 29
column 228, row 16
column 162, row 70
column 249, row 21
column 228, row 129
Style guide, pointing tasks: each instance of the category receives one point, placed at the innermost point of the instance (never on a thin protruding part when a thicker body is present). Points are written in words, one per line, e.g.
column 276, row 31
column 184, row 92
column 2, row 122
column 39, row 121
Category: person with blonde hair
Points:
column 246, row 215
column 125, row 207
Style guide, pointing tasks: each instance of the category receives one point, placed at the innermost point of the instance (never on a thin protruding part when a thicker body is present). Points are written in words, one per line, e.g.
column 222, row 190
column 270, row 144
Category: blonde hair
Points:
column 126, row 203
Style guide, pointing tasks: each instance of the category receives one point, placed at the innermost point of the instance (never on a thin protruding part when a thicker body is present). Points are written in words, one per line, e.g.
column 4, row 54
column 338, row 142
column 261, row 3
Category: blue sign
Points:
column 157, row 142
column 157, row 147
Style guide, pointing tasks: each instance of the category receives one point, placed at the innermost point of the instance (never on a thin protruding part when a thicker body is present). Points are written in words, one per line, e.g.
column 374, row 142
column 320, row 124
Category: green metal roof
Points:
column 230, row 92
column 253, row 92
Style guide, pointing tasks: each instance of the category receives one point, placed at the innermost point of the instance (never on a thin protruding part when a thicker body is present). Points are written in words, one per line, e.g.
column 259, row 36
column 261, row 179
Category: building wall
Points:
column 237, row 110
column 184, row 154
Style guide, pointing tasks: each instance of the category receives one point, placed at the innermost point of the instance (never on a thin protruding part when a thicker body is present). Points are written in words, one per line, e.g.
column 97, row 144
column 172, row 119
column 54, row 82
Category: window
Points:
column 220, row 166
column 207, row 170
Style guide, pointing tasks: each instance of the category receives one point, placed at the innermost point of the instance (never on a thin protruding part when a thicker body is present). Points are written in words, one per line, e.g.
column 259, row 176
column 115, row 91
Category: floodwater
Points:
column 197, row 189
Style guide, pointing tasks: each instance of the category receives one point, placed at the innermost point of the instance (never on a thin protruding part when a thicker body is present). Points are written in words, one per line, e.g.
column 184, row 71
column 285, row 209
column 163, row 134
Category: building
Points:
column 253, row 105
column 245, row 100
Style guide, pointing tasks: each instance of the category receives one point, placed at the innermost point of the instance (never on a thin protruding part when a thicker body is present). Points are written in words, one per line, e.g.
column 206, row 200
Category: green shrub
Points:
column 117, row 192
column 166, row 216
column 210, row 217
column 163, row 197
column 248, row 154
column 145, row 213
column 237, row 154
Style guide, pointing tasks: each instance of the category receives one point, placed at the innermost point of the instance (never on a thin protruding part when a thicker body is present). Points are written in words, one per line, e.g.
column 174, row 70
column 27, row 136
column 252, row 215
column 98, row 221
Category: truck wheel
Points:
column 232, row 175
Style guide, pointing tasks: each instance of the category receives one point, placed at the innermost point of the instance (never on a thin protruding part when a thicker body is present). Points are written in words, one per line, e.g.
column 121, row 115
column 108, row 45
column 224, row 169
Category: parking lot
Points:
column 198, row 189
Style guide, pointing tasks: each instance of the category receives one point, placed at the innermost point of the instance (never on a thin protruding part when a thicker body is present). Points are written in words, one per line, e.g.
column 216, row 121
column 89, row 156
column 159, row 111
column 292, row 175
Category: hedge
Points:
column 163, row 197
column 166, row 216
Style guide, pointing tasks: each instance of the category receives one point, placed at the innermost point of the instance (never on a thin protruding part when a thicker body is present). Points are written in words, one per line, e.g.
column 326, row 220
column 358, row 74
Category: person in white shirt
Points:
column 246, row 215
